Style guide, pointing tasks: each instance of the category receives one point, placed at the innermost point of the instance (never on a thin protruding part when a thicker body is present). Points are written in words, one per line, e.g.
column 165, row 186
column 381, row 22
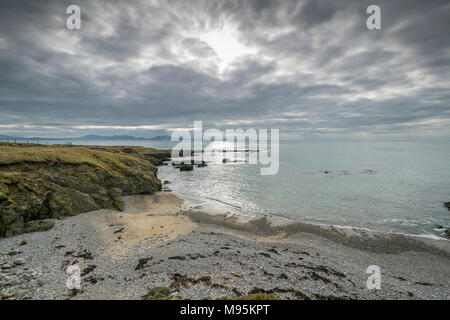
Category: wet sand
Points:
column 145, row 218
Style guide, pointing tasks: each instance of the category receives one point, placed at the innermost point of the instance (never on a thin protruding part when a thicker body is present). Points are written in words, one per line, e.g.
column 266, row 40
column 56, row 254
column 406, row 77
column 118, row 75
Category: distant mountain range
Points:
column 115, row 137
column 87, row 137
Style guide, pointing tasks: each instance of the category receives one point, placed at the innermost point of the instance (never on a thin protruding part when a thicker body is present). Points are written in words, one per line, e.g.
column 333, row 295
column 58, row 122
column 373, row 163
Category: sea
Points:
column 389, row 186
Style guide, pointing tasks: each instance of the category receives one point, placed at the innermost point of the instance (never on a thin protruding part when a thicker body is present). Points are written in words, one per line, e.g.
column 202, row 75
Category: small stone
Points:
column 27, row 276
column 23, row 242
column 19, row 261
column 14, row 252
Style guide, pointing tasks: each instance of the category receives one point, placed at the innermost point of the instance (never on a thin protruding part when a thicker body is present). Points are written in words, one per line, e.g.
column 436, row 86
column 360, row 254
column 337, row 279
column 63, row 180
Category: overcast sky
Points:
column 309, row 68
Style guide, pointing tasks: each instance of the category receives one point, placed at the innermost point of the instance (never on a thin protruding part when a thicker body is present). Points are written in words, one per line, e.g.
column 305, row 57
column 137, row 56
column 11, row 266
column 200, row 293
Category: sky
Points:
column 311, row 69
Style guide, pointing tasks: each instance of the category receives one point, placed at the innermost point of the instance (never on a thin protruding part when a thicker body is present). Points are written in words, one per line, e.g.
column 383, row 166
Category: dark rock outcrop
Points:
column 186, row 167
column 202, row 164
column 447, row 205
column 447, row 233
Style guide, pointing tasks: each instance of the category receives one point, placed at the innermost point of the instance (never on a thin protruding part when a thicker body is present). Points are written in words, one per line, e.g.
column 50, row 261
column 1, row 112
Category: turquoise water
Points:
column 384, row 185
column 395, row 186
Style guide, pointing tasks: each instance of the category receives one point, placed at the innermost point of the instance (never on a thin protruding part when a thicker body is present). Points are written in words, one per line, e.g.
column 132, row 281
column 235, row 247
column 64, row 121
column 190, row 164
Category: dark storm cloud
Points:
column 306, row 67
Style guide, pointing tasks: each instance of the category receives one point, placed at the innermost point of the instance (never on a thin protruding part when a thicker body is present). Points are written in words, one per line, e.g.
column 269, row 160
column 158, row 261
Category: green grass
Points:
column 103, row 157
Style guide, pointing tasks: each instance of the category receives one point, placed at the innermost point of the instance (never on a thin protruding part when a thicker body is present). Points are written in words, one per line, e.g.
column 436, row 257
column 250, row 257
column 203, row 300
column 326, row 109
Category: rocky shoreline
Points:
column 158, row 248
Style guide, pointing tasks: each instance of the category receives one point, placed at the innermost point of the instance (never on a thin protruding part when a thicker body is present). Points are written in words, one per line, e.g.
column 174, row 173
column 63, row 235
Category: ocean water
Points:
column 395, row 186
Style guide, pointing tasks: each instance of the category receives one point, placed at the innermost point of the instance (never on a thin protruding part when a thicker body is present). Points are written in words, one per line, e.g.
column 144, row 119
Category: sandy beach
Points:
column 158, row 240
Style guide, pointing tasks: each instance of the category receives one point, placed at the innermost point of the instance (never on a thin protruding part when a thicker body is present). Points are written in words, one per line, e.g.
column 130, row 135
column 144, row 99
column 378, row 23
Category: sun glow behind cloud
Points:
column 225, row 43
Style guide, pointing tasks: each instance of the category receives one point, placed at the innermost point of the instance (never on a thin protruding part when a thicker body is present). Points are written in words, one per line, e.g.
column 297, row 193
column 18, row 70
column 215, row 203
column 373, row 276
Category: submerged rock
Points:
column 447, row 205
column 201, row 165
column 186, row 167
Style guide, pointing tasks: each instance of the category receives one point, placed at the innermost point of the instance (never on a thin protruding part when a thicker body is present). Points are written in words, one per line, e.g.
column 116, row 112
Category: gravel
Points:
column 211, row 262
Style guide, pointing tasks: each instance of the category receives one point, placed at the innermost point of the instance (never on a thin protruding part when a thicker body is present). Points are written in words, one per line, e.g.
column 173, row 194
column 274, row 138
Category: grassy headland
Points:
column 39, row 182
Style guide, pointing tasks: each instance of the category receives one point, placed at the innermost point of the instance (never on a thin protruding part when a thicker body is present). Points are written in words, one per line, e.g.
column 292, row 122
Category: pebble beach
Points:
column 160, row 242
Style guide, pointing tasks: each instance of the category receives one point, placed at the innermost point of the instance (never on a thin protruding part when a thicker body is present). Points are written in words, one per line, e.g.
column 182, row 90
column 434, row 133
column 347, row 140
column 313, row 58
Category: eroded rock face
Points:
column 35, row 191
column 69, row 202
